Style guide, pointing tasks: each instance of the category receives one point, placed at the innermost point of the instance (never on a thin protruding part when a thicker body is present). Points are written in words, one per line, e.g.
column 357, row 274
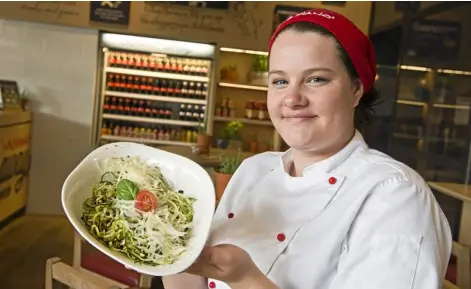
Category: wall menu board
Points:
column 407, row 6
column 9, row 94
column 434, row 40
column 111, row 12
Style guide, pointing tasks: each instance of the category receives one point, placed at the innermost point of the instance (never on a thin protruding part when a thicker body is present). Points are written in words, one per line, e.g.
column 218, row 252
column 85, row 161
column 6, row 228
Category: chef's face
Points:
column 311, row 97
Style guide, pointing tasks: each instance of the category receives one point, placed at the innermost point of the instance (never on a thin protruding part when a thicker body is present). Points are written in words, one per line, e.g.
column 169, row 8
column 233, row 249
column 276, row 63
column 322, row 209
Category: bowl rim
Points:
column 128, row 263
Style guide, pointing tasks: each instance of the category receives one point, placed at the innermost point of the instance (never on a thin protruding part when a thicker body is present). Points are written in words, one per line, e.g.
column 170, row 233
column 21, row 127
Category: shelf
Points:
column 243, row 86
column 436, row 105
column 165, row 75
column 155, row 97
column 407, row 136
column 150, row 120
column 146, row 141
column 243, row 51
column 243, row 120
column 411, row 102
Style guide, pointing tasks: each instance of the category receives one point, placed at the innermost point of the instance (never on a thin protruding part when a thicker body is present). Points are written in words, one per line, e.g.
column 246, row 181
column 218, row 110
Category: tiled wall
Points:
column 57, row 67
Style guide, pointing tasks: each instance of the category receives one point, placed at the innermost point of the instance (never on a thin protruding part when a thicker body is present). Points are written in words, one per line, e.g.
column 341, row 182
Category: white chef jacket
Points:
column 357, row 220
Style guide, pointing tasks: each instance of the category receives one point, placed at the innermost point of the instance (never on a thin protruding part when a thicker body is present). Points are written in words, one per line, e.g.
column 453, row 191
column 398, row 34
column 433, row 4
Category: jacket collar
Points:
column 329, row 164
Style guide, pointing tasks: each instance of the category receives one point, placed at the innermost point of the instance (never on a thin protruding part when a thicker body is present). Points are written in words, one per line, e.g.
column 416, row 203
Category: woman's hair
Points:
column 364, row 111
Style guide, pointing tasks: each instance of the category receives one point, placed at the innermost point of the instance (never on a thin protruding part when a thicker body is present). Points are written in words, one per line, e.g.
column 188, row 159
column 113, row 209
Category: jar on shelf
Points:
column 262, row 111
column 230, row 108
column 250, row 109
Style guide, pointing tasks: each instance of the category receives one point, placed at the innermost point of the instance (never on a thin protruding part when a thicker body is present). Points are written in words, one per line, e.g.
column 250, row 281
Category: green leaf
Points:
column 126, row 190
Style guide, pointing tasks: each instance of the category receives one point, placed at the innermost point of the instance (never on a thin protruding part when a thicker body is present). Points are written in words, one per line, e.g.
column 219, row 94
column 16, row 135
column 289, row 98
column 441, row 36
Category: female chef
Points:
column 329, row 213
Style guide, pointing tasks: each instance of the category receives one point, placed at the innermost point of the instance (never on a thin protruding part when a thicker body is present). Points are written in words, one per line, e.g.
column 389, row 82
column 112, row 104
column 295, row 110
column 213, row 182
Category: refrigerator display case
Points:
column 152, row 91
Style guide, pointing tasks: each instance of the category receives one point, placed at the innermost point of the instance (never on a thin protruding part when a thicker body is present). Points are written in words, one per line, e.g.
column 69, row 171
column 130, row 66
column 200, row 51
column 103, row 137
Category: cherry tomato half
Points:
column 145, row 201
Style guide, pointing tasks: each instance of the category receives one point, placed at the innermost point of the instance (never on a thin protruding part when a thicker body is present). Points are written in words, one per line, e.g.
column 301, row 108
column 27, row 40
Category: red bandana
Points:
column 357, row 45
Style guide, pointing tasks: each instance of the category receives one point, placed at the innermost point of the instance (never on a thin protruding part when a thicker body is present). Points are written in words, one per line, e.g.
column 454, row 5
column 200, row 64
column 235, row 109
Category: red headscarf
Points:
column 357, row 45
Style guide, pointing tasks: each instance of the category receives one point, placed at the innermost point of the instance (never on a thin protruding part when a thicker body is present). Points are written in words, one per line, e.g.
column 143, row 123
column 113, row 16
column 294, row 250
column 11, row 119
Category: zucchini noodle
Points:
column 155, row 237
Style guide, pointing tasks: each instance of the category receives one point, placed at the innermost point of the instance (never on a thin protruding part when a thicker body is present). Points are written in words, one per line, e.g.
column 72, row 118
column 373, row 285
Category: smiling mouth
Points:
column 300, row 118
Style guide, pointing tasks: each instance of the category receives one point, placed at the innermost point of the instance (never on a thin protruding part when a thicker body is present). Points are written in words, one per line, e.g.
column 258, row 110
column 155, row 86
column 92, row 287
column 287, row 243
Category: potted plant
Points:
column 221, row 140
column 203, row 139
column 229, row 73
column 223, row 173
column 253, row 145
column 264, row 147
column 24, row 99
column 259, row 73
column 232, row 135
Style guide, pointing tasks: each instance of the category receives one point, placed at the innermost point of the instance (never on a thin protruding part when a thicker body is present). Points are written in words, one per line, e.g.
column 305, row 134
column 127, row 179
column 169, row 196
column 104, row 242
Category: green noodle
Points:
column 105, row 223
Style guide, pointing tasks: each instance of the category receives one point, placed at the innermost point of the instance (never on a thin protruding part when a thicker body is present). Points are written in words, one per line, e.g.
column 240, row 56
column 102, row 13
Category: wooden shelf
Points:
column 145, row 141
column 150, row 120
column 155, row 97
column 165, row 75
column 243, row 86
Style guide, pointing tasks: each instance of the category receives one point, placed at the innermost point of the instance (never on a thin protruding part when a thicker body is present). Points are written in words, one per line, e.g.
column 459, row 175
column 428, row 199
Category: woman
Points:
column 329, row 212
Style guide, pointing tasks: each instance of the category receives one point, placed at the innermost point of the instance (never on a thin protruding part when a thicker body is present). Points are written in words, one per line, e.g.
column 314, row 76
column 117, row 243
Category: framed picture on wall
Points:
column 9, row 94
column 110, row 12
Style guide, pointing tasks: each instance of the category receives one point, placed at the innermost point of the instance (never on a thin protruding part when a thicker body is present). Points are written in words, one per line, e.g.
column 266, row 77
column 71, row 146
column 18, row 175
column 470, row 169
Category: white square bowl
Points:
column 182, row 174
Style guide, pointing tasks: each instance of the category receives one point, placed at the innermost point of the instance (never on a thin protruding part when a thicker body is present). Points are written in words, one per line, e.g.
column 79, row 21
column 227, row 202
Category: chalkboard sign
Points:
column 412, row 6
column 434, row 40
column 111, row 12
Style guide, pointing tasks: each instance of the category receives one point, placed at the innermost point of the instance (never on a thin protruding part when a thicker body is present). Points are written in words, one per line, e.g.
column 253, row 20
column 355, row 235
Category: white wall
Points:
column 57, row 67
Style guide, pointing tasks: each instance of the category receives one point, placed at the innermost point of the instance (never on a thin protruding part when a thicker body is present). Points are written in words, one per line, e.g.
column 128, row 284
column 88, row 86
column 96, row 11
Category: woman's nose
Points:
column 294, row 98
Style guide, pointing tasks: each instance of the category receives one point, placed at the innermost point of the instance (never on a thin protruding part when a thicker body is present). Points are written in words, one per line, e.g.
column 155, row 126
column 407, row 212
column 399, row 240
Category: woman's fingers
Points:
column 220, row 255
column 204, row 269
column 209, row 263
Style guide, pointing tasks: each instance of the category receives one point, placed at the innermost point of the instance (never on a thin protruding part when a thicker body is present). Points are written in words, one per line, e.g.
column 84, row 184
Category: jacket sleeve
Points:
column 399, row 240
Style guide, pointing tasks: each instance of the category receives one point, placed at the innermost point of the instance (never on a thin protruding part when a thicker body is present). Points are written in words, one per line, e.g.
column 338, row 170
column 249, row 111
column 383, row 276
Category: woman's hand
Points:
column 232, row 265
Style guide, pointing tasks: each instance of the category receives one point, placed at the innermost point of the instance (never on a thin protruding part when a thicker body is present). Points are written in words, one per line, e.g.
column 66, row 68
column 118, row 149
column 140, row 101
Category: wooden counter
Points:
column 458, row 191
column 461, row 192
column 15, row 134
column 210, row 160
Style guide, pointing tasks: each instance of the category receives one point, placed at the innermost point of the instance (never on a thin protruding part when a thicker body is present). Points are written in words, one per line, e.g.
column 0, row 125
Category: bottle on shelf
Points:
column 231, row 111
column 156, row 86
column 147, row 131
column 249, row 109
column 191, row 89
column 181, row 113
column 226, row 108
column 104, row 128
column 107, row 104
column 190, row 112
column 146, row 61
column 263, row 111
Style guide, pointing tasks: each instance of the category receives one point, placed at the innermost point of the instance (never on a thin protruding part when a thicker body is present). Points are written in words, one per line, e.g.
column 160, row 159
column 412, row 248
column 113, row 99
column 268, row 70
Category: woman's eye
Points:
column 279, row 82
column 316, row 80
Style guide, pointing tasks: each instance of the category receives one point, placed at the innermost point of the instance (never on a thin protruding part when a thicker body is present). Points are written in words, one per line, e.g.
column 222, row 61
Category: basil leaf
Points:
column 126, row 190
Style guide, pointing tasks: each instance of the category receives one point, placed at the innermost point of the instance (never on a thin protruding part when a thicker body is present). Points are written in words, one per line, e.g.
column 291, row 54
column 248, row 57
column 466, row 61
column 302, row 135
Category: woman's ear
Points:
column 357, row 92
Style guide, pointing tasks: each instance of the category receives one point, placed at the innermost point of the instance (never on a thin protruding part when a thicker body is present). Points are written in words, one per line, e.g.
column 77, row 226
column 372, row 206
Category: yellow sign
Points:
column 14, row 167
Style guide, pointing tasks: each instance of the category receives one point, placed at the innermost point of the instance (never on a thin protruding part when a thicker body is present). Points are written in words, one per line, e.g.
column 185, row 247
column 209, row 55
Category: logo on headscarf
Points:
column 321, row 14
